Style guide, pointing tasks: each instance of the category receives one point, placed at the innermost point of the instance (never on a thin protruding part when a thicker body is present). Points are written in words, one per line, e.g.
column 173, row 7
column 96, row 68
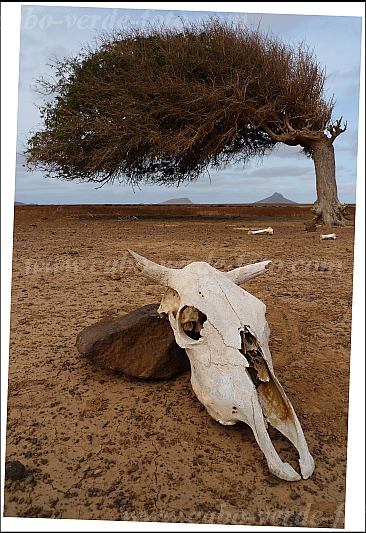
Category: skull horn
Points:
column 242, row 274
column 158, row 273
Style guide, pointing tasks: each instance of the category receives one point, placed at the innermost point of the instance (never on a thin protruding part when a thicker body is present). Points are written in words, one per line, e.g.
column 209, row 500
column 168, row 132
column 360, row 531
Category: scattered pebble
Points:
column 310, row 226
column 15, row 470
column 273, row 481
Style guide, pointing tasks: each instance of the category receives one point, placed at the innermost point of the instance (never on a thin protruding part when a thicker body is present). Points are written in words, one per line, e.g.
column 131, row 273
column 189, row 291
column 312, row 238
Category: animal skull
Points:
column 225, row 334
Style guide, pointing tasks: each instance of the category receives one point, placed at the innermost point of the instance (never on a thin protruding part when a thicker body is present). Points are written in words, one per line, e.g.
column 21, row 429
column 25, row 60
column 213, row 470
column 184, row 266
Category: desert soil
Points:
column 103, row 446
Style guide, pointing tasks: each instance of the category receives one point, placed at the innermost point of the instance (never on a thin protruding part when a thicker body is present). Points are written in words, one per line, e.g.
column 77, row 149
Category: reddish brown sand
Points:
column 103, row 446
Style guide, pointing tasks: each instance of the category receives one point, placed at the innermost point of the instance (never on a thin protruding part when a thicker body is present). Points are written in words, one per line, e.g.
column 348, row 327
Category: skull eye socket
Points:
column 191, row 319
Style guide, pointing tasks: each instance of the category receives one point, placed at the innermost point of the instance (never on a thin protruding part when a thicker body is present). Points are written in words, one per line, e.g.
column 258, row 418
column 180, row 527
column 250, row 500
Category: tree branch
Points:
column 335, row 129
column 294, row 137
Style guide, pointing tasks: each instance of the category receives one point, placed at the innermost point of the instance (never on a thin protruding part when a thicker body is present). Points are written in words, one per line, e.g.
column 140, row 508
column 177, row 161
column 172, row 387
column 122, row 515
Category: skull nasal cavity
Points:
column 192, row 320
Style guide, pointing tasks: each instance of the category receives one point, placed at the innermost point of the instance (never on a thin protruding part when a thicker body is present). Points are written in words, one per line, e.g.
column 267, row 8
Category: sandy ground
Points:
column 103, row 446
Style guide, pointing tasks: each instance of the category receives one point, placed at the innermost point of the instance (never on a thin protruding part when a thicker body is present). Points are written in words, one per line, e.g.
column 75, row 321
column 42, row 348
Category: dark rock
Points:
column 273, row 480
column 323, row 269
column 139, row 344
column 15, row 470
column 310, row 226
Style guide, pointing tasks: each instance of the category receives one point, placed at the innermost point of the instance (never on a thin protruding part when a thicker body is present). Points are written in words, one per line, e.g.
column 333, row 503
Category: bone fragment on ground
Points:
column 267, row 231
column 232, row 372
column 328, row 236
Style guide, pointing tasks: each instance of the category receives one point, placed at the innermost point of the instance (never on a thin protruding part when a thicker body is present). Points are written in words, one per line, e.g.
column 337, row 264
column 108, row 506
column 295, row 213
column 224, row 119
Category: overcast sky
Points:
column 48, row 31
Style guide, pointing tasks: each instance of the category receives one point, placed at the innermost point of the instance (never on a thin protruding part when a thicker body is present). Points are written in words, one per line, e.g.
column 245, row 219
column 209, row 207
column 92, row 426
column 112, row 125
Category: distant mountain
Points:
column 177, row 201
column 276, row 198
column 19, row 203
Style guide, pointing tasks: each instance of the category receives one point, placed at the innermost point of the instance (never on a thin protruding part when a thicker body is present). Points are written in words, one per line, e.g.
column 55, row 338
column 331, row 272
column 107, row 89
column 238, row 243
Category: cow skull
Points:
column 225, row 334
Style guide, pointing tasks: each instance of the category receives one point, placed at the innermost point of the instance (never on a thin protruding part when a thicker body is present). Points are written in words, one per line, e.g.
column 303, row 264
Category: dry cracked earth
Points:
column 100, row 445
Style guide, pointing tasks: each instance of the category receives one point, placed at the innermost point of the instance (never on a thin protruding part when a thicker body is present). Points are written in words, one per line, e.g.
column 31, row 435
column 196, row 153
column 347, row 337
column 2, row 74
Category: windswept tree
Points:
column 163, row 106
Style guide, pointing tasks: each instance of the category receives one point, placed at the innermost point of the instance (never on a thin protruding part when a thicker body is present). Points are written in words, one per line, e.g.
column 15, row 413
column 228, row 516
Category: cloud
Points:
column 347, row 144
column 352, row 73
column 283, row 151
column 281, row 171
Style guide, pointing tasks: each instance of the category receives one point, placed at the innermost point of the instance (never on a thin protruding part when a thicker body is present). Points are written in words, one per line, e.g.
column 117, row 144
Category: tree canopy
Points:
column 164, row 105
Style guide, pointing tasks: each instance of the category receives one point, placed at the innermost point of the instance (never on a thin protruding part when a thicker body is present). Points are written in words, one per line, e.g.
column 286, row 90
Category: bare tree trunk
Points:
column 327, row 209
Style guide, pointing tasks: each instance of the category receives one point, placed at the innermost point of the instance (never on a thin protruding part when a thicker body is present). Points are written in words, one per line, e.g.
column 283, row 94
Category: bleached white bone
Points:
column 151, row 270
column 267, row 231
column 242, row 274
column 329, row 236
column 232, row 373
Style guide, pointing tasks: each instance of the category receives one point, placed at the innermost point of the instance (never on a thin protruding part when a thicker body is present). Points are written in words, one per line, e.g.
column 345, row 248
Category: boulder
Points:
column 139, row 344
